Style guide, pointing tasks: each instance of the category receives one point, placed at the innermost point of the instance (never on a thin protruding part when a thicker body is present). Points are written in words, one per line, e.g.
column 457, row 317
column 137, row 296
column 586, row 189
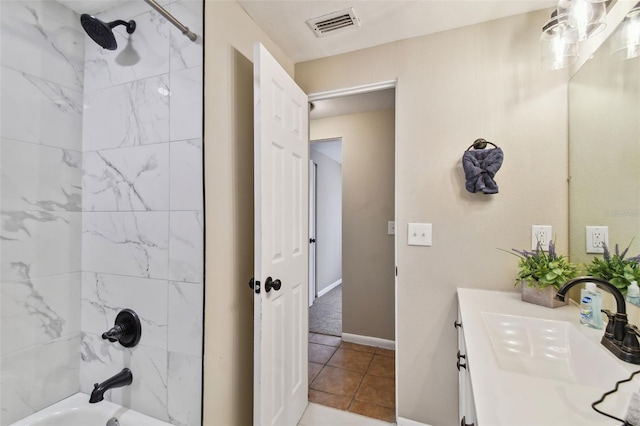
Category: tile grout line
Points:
column 364, row 375
column 360, row 384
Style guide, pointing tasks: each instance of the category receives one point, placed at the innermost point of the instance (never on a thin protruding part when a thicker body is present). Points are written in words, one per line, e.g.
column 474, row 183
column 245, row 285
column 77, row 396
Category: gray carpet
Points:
column 325, row 316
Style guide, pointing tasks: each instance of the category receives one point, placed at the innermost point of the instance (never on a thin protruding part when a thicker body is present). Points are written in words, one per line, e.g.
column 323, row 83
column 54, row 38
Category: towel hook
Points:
column 481, row 144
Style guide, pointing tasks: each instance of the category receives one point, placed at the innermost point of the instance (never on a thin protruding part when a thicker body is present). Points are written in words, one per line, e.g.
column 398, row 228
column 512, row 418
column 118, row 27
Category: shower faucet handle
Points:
column 127, row 329
column 114, row 333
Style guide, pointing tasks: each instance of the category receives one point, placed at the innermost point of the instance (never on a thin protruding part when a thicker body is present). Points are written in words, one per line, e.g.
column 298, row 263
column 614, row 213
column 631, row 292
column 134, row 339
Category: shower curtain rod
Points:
column 162, row 11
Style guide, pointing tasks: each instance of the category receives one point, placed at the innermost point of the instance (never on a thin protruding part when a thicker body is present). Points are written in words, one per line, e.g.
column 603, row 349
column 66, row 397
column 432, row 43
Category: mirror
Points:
column 604, row 151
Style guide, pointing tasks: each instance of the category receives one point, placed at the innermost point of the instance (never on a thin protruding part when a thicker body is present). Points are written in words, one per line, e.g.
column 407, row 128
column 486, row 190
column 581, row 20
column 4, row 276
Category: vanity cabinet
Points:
column 466, row 406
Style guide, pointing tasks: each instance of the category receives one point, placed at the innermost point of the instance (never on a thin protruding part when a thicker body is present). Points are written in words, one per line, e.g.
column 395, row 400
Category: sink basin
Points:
column 550, row 349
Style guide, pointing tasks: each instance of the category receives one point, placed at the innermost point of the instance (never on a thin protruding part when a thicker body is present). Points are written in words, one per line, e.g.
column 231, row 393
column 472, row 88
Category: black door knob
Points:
column 463, row 422
column 255, row 285
column 312, row 240
column 272, row 284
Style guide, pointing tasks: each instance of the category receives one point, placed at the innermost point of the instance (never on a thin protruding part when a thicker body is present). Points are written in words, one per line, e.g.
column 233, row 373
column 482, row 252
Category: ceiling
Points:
column 370, row 101
column 331, row 148
column 382, row 21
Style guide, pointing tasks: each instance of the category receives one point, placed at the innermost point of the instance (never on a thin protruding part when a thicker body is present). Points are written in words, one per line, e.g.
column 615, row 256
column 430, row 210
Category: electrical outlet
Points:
column 540, row 234
column 596, row 236
column 391, row 227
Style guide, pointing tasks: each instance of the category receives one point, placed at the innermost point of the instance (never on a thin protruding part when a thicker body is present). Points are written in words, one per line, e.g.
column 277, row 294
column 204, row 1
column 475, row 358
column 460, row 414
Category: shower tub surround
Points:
column 77, row 411
column 102, row 208
column 142, row 201
column 41, row 81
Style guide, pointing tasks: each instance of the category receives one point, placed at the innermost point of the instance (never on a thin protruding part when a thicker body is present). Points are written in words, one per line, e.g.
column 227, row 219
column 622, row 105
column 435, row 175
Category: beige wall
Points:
column 328, row 220
column 368, row 300
column 453, row 87
column 228, row 149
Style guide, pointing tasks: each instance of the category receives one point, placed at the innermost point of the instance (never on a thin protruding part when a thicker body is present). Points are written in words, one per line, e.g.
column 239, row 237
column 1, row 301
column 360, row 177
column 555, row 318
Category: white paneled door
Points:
column 281, row 244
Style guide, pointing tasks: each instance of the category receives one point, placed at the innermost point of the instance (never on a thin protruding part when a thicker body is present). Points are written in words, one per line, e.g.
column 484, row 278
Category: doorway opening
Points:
column 354, row 370
column 325, row 231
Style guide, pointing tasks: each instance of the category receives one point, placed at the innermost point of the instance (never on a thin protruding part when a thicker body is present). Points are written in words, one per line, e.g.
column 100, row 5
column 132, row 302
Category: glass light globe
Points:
column 625, row 42
column 558, row 43
column 586, row 16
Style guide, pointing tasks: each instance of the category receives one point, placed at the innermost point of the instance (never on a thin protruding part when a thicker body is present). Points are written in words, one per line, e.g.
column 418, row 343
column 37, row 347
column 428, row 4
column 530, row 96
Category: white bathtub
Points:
column 76, row 411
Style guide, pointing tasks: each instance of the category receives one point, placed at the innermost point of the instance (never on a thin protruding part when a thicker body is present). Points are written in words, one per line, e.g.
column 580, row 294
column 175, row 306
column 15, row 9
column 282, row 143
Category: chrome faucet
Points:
column 123, row 378
column 620, row 337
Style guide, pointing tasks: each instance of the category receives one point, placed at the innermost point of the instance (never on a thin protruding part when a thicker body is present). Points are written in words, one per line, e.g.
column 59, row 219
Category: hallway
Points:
column 352, row 377
column 325, row 316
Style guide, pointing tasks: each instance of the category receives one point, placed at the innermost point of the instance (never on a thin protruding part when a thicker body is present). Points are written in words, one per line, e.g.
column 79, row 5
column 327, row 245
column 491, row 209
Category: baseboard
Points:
column 329, row 288
column 406, row 422
column 369, row 341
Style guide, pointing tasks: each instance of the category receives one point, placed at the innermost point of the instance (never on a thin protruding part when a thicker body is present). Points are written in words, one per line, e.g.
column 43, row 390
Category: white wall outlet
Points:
column 596, row 236
column 540, row 234
column 419, row 234
column 391, row 227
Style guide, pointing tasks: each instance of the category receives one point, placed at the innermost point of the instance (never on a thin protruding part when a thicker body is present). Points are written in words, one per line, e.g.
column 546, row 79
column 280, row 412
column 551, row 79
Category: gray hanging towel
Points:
column 480, row 166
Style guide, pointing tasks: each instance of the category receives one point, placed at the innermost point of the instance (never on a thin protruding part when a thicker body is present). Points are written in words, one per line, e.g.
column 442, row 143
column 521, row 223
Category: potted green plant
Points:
column 541, row 273
column 615, row 268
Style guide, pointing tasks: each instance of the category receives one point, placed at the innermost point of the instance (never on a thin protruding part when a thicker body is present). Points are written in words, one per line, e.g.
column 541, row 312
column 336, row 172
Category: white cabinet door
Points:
column 466, row 406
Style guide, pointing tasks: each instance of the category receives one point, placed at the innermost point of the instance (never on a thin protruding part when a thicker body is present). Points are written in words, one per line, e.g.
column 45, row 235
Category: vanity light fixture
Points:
column 558, row 42
column 573, row 21
column 625, row 42
column 588, row 17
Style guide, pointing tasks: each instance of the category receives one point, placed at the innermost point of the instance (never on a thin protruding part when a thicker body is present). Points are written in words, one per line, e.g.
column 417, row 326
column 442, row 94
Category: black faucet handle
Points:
column 608, row 332
column 630, row 343
column 114, row 333
column 127, row 329
column 633, row 329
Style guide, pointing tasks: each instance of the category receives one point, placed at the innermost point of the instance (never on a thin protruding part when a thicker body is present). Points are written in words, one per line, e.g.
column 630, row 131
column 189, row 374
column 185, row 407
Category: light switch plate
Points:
column 391, row 227
column 419, row 234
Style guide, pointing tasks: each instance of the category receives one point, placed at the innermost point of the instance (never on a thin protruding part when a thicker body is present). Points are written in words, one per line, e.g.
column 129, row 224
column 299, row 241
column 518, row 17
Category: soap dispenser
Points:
column 590, row 306
column 633, row 293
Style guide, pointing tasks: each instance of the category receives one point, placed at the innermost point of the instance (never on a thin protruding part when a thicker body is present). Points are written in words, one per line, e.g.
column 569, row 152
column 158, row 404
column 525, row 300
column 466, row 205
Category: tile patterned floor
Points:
column 352, row 377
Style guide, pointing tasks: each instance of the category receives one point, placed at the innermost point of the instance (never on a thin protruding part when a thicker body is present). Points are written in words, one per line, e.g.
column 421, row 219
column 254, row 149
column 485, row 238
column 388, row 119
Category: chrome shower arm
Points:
column 162, row 11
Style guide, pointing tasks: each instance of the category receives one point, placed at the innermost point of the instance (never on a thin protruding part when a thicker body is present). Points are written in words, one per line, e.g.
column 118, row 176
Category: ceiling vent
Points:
column 334, row 22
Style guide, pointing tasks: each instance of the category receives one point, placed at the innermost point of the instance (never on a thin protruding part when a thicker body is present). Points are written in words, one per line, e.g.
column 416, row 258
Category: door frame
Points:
column 358, row 90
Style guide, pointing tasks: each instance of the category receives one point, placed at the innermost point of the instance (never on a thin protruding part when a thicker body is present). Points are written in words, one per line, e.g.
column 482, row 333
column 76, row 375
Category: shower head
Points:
column 101, row 32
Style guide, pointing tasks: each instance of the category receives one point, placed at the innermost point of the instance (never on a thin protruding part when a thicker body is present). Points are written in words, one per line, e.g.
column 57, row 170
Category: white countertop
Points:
column 511, row 398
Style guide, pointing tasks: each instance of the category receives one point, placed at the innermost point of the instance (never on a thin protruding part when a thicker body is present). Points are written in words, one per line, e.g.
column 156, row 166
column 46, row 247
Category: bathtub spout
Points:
column 123, row 378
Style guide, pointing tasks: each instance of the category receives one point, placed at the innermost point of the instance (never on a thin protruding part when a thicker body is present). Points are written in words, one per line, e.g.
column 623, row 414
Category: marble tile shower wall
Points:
column 41, row 81
column 142, row 199
column 101, row 179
